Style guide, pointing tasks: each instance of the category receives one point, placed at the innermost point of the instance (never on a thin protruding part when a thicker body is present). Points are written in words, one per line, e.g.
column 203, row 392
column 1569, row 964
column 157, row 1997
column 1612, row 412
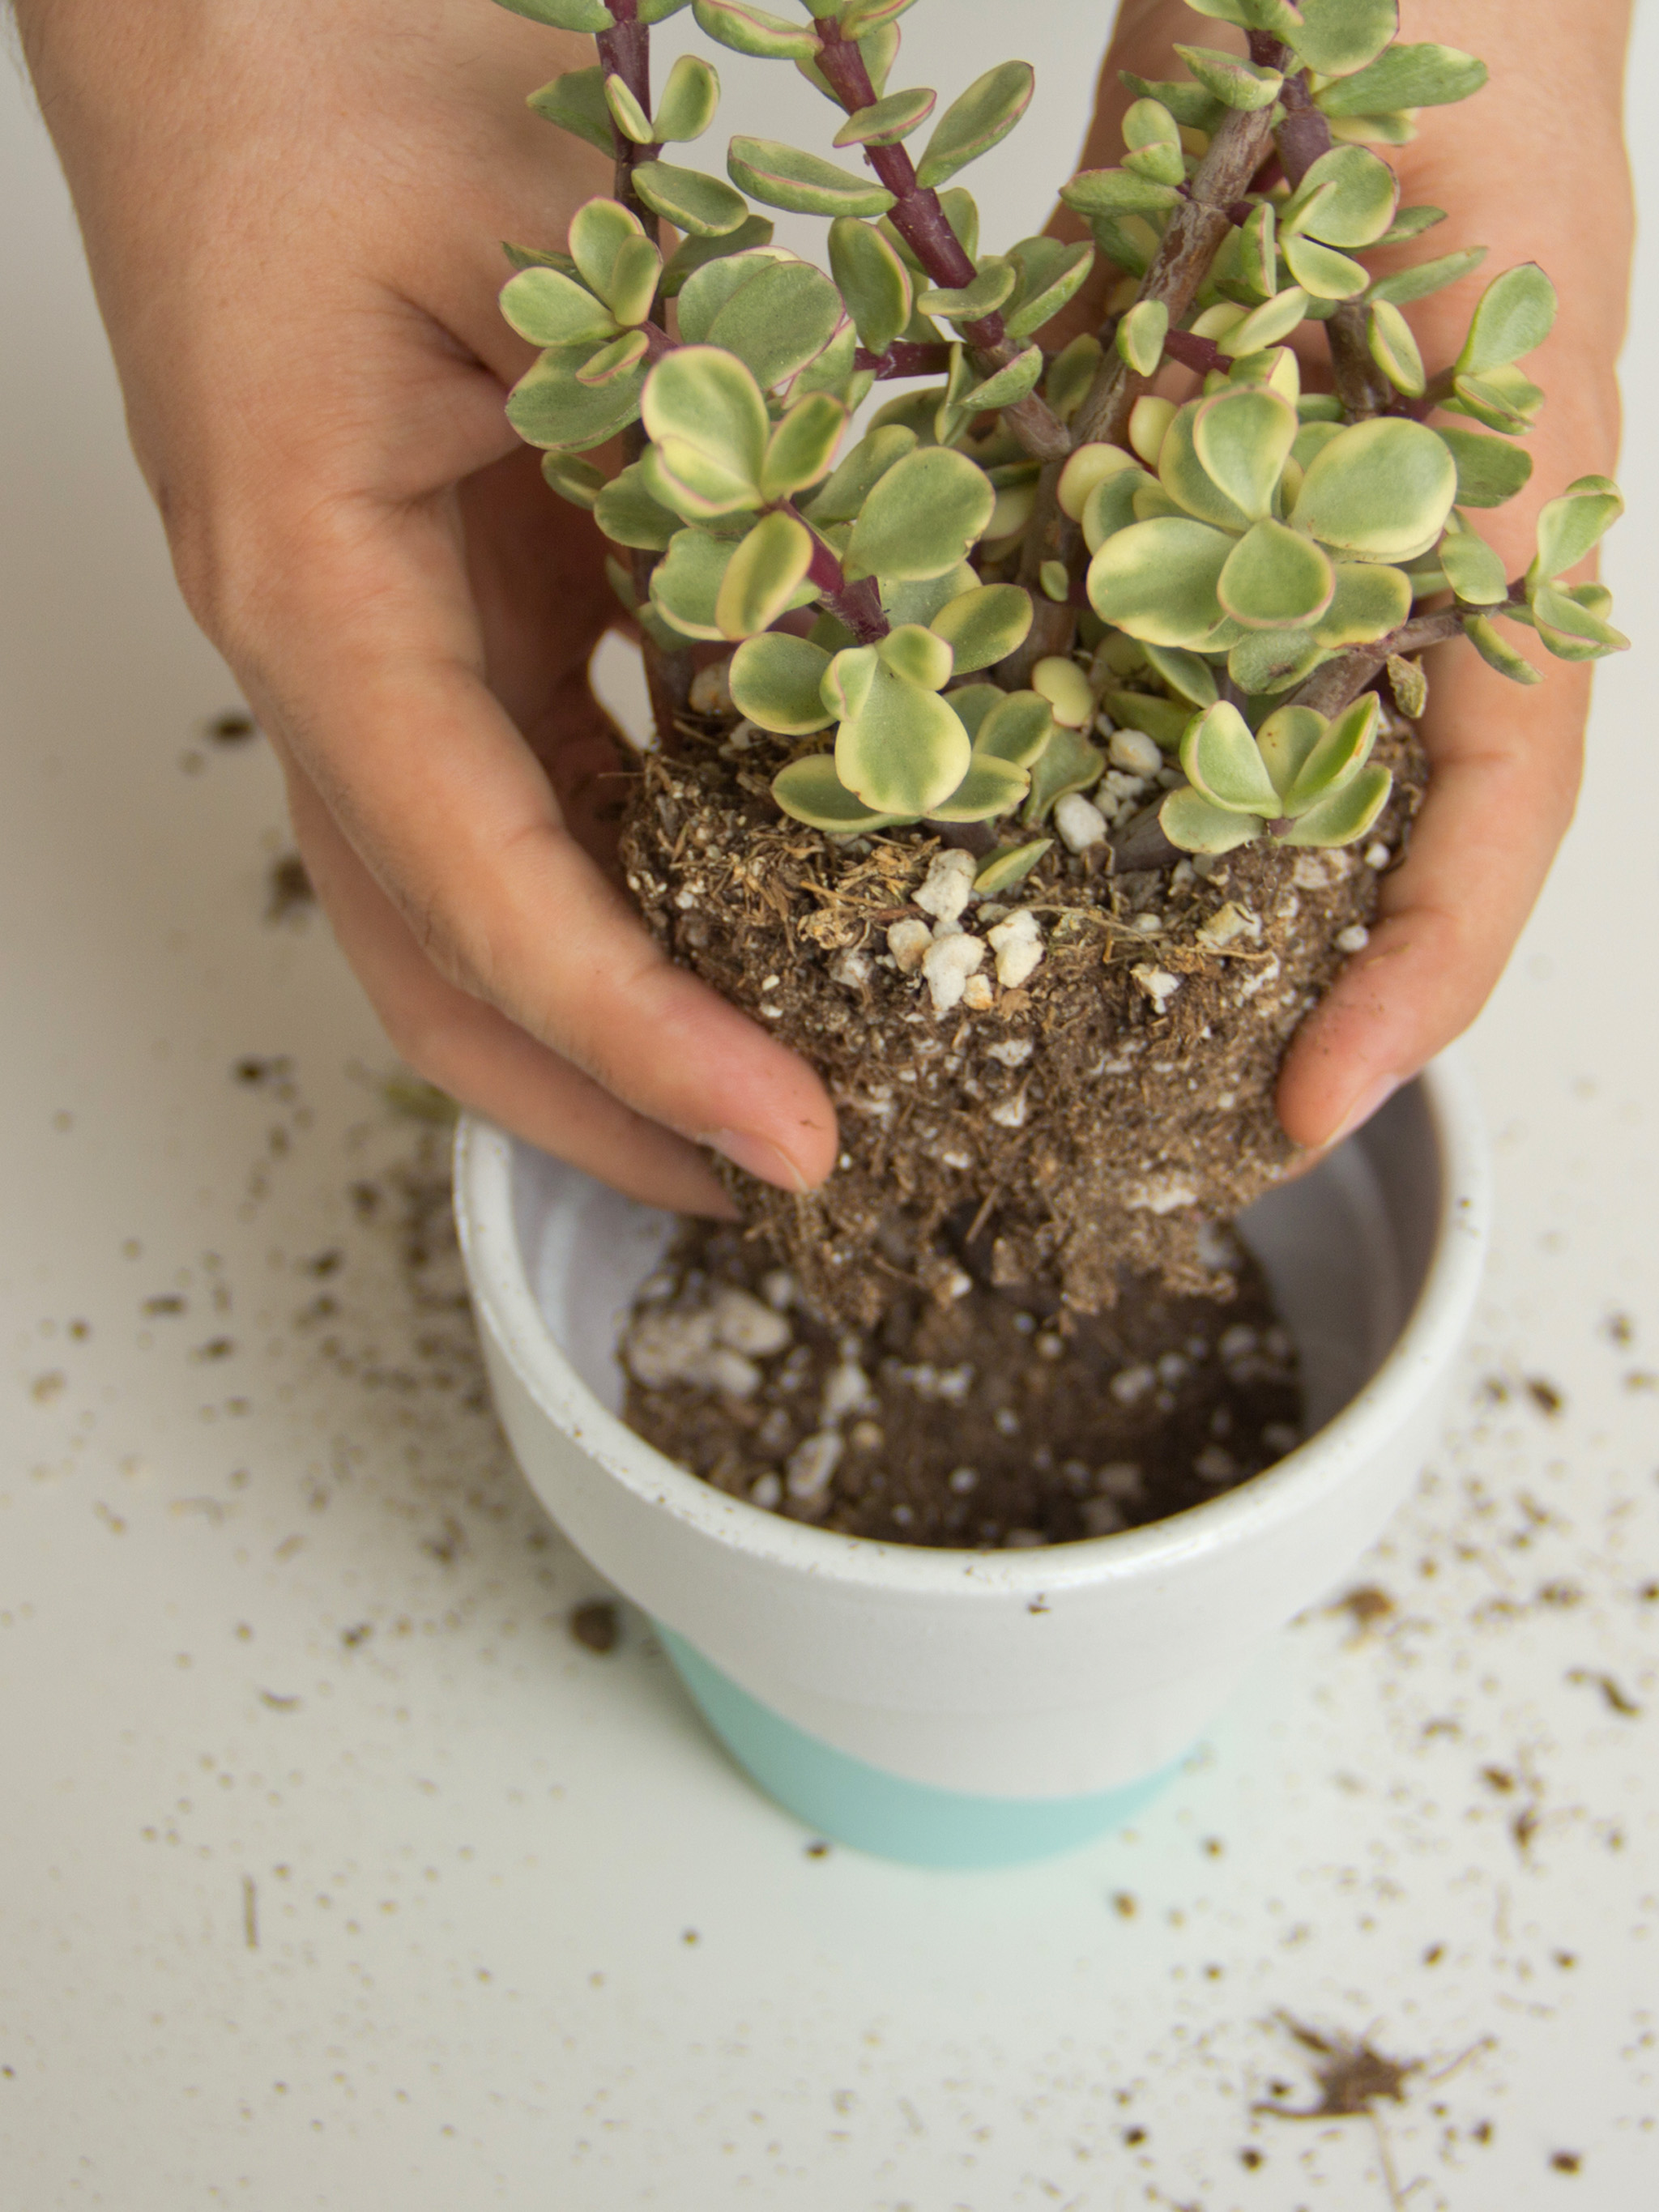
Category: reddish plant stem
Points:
column 1301, row 137
column 920, row 219
column 903, row 358
column 625, row 52
column 857, row 605
column 1193, row 352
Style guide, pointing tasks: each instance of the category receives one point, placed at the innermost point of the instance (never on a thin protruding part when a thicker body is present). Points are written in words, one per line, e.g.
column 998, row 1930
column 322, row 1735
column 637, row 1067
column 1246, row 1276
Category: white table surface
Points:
column 337, row 1875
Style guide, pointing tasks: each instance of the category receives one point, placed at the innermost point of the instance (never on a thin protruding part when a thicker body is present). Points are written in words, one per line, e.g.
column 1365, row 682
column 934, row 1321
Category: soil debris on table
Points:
column 983, row 1423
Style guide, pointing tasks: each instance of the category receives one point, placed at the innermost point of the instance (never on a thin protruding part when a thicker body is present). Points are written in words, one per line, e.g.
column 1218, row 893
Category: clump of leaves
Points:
column 1028, row 547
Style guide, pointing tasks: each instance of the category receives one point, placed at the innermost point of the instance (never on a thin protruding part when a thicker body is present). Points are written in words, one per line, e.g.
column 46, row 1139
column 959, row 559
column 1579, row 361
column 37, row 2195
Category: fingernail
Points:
column 757, row 1156
column 1374, row 1094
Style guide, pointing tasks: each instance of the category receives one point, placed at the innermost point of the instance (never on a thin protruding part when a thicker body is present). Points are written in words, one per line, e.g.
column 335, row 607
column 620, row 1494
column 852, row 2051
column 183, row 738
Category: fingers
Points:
column 366, row 650
column 1505, row 766
column 474, row 1053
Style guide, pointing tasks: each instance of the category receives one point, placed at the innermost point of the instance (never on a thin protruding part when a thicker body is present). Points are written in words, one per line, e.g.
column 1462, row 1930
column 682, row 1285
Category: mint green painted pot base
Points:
column 844, row 1798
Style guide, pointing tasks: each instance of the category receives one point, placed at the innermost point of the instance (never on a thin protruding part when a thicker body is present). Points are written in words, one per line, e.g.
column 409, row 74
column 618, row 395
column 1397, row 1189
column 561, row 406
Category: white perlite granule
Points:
column 1017, row 944
column 1135, row 751
column 1012, row 1052
column 811, row 1465
column 1226, row 923
column 947, row 965
column 850, row 969
column 748, row 1325
column 1354, row 939
column 907, row 941
column 977, row 994
column 948, row 885
column 1080, row 822
column 1158, row 983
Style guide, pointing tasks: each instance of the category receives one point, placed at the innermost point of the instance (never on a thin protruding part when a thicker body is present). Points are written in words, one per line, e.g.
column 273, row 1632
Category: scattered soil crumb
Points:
column 971, row 1417
column 1365, row 1607
column 234, row 727
column 289, row 889
column 1125, row 1906
column 1350, row 2076
column 1566, row 2162
column 1617, row 1701
column 596, row 1626
column 818, row 1849
column 1620, row 1328
column 1250, row 2157
column 1545, row 1395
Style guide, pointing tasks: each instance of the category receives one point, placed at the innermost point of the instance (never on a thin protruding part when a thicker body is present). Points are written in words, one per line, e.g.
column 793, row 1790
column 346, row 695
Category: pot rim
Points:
column 507, row 1308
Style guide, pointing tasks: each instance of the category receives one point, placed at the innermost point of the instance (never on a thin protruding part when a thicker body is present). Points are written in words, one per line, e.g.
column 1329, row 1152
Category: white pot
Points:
column 974, row 1708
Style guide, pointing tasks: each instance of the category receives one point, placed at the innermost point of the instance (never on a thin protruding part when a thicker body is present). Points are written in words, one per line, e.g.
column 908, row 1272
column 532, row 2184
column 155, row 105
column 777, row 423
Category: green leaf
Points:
column 617, row 360
column 923, row 598
column 810, row 791
column 1572, row 526
column 1394, row 348
column 921, row 517
column 1348, row 814
column 1223, row 764
column 888, row 120
column 690, row 100
column 1337, row 37
column 1570, row 629
column 1071, row 372
column 1195, row 680
column 1272, row 16
column 1405, row 77
column 785, row 178
column 1257, row 242
column 1067, row 690
column 576, row 102
column 693, row 253
column 1090, row 465
column 835, row 370
column 657, row 11
column 548, row 407
column 550, row 309
column 1158, row 580
column 1489, row 469
column 1323, row 273
column 1191, row 823
column 860, row 471
column 1162, row 720
column 918, row 654
column 1497, row 652
column 1369, row 600
column 801, row 449
column 1269, row 660
column 1379, row 490
column 1140, row 335
column 1428, row 276
column 971, row 703
column 778, row 319
column 1000, row 871
column 708, row 288
column 1097, row 192
column 1153, row 139
column 685, row 584
column 1004, row 386
column 603, row 236
column 1344, row 747
column 776, row 681
column 701, row 204
column 1515, row 314
column 993, row 282
column 1017, row 728
column 533, row 257
column 1235, row 84
column 990, row 787
column 749, row 30
column 708, row 421
column 1242, row 439
column 630, row 118
column 1050, row 271
column 1275, row 578
column 1504, row 400
column 1129, row 243
column 763, row 575
column 627, row 514
column 1474, row 569
column 858, row 16
column 878, row 49
column 1266, row 326
column 901, row 750
column 579, row 481
column 985, row 625
column 1285, row 741
column 1067, row 762
column 980, row 118
column 1188, row 102
column 588, row 15
column 1356, row 193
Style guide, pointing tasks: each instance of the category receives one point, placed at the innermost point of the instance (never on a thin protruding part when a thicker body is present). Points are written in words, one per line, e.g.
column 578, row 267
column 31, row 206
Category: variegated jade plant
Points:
column 1229, row 576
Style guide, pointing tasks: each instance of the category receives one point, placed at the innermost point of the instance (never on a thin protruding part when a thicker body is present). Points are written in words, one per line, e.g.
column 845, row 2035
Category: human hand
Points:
column 292, row 218
column 1533, row 167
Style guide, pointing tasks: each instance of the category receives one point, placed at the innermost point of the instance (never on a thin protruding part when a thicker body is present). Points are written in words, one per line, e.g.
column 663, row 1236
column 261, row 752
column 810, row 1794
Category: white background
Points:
column 289, row 1920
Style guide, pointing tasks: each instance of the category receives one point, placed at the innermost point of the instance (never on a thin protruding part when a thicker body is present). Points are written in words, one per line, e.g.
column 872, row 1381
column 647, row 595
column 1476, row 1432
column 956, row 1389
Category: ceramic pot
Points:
column 972, row 1708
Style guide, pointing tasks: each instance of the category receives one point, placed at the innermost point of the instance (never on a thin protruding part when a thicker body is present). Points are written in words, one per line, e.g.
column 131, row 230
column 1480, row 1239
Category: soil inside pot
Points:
column 1008, row 1310
column 980, row 1422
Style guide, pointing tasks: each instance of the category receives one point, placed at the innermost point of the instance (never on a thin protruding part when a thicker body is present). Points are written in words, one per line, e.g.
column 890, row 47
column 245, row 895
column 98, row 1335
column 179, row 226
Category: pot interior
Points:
column 1346, row 1248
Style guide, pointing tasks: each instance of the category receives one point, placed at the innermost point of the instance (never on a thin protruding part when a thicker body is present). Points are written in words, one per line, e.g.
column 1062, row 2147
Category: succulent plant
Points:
column 1029, row 547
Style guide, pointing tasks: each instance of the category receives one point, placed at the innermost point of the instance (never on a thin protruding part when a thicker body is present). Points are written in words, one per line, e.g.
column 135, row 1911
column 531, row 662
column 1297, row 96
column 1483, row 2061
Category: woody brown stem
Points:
column 1339, row 682
column 1301, row 139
